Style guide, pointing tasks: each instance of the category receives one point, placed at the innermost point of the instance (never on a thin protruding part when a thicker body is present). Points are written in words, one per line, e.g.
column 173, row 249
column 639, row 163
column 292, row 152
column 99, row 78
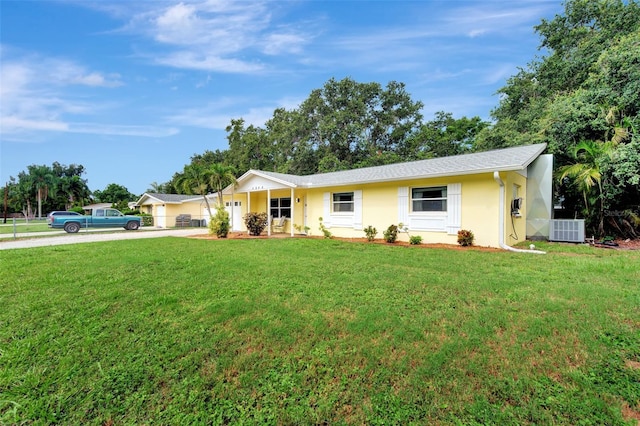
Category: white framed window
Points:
column 429, row 199
column 448, row 220
column 343, row 202
column 280, row 207
column 343, row 209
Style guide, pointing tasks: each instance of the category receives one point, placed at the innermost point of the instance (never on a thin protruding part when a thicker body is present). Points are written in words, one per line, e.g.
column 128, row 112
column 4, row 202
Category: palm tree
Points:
column 194, row 179
column 74, row 188
column 221, row 176
column 586, row 174
column 157, row 188
column 44, row 181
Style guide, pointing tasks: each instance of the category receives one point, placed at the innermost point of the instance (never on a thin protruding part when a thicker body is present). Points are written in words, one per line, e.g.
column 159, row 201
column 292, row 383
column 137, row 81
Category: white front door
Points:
column 235, row 214
column 161, row 217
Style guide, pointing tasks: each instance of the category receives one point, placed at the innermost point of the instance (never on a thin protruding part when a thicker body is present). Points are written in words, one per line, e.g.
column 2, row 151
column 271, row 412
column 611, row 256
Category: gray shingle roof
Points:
column 171, row 198
column 507, row 159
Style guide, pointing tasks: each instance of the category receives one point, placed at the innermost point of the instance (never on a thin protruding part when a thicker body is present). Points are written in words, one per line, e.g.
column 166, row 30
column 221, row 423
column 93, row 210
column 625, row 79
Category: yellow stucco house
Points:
column 503, row 196
column 433, row 198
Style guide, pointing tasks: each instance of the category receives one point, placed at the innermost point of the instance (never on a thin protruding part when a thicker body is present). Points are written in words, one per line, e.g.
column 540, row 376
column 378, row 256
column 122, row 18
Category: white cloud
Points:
column 14, row 124
column 493, row 17
column 34, row 97
column 214, row 35
column 122, row 130
column 218, row 115
column 197, row 61
column 275, row 44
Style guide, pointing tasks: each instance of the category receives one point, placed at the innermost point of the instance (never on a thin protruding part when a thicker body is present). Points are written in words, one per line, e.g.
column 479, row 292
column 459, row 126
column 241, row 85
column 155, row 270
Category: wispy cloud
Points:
column 214, row 35
column 218, row 115
column 483, row 18
column 35, row 97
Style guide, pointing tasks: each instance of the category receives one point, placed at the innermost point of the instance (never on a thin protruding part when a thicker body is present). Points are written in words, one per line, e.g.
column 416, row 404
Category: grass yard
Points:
column 22, row 226
column 311, row 331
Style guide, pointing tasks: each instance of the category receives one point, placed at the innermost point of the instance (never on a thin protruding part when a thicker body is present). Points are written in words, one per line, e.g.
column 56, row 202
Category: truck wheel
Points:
column 72, row 227
column 132, row 226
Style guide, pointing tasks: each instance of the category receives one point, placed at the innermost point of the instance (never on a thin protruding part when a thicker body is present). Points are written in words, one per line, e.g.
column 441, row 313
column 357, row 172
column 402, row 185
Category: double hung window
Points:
column 343, row 202
column 429, row 199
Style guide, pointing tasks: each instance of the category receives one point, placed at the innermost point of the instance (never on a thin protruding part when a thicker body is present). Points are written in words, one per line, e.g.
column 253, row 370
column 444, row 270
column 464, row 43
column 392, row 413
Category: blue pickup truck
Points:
column 101, row 218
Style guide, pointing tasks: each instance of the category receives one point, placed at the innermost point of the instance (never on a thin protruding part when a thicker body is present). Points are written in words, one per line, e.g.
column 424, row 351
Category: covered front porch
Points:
column 283, row 201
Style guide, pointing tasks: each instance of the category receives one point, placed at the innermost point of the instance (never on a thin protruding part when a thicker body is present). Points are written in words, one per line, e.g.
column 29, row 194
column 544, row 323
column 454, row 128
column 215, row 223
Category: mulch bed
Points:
column 627, row 244
column 615, row 245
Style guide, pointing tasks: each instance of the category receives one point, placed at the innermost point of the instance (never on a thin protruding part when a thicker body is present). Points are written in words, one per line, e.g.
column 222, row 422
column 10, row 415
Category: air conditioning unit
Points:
column 566, row 230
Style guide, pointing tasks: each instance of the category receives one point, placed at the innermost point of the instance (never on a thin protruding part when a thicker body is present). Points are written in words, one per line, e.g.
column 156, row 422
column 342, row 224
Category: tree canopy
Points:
column 46, row 188
column 584, row 93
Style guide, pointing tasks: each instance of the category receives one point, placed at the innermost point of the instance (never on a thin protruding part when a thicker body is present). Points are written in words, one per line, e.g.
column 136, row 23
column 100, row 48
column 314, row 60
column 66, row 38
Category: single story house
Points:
column 168, row 209
column 503, row 196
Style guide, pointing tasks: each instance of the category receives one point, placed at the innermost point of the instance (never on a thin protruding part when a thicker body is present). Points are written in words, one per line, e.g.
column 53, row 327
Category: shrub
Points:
column 302, row 229
column 370, row 232
column 465, row 238
column 219, row 224
column 147, row 219
column 391, row 234
column 327, row 234
column 256, row 222
column 415, row 240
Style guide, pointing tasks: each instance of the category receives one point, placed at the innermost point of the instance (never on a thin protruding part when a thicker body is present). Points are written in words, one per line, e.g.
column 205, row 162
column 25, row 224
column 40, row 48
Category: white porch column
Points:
column 232, row 211
column 269, row 212
column 248, row 207
column 293, row 203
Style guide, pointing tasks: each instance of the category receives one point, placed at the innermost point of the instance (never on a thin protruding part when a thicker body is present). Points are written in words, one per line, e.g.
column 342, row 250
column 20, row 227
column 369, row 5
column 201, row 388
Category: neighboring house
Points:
column 166, row 209
column 433, row 198
column 90, row 207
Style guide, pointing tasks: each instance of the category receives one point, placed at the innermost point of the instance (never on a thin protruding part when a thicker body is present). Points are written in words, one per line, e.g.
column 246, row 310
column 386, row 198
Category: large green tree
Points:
column 344, row 124
column 114, row 193
column 444, row 136
column 585, row 90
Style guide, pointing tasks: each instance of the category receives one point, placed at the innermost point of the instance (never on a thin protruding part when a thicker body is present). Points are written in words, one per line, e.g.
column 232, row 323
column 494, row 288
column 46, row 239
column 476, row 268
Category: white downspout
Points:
column 503, row 245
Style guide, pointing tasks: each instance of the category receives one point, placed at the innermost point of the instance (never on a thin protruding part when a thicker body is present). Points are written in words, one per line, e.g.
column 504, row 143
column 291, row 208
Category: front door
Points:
column 235, row 214
column 161, row 217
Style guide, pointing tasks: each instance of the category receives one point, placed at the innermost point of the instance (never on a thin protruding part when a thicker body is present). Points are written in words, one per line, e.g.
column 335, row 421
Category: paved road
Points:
column 54, row 238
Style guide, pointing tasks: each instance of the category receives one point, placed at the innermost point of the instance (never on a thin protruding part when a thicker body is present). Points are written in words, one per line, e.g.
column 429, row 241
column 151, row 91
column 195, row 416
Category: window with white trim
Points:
column 429, row 199
column 343, row 202
column 280, row 207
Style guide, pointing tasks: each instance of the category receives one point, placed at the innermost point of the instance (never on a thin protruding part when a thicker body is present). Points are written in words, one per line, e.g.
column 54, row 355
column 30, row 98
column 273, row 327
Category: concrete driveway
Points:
column 56, row 238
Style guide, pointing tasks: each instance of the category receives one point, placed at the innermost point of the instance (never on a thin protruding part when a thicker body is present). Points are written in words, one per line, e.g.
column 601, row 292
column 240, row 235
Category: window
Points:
column 343, row 202
column 280, row 207
column 431, row 199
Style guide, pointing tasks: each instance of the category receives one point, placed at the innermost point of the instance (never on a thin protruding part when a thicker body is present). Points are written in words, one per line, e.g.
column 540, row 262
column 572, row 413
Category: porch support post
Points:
column 232, row 211
column 269, row 212
column 293, row 203
column 248, row 207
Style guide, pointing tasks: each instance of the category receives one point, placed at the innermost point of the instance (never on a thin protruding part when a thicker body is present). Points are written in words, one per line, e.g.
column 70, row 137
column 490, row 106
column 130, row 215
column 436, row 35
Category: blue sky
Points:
column 132, row 89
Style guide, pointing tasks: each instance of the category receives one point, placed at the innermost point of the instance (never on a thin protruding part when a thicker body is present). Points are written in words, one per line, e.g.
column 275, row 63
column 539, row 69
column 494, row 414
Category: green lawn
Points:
column 311, row 331
column 22, row 226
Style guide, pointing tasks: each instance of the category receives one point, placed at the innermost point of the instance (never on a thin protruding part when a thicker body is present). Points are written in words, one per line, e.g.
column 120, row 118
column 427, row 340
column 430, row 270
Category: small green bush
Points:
column 415, row 240
column 220, row 223
column 327, row 234
column 370, row 232
column 147, row 219
column 391, row 234
column 256, row 222
column 465, row 238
